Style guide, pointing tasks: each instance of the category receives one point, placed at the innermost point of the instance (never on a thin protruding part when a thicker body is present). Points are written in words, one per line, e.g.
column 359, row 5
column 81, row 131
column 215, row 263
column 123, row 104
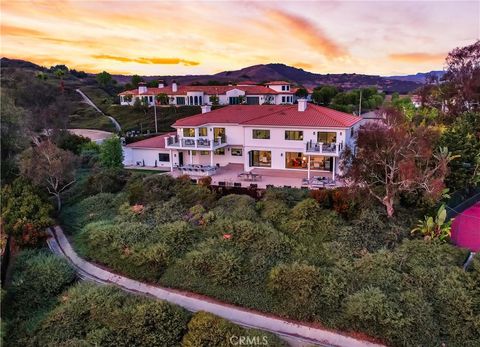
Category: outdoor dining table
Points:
column 249, row 176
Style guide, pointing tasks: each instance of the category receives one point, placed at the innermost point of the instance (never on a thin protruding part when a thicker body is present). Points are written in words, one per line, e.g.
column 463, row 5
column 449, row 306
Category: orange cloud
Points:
column 418, row 57
column 308, row 32
column 10, row 30
column 159, row 61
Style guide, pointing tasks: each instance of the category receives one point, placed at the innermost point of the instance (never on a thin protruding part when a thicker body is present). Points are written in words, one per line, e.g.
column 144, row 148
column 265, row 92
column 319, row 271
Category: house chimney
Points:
column 302, row 105
column 161, row 84
column 174, row 86
column 142, row 88
column 206, row 108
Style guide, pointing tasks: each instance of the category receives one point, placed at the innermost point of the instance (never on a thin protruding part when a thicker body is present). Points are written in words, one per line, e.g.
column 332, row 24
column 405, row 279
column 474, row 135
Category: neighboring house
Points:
column 273, row 93
column 301, row 137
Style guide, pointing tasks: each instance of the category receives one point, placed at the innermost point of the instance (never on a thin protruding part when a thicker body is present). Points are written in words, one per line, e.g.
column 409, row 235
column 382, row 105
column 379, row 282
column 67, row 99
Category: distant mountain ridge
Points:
column 275, row 71
column 419, row 77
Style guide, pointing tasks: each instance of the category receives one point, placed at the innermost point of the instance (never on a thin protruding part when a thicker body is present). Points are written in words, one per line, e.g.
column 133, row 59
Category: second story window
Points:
column 188, row 132
column 202, row 132
column 261, row 134
column 326, row 137
column 293, row 135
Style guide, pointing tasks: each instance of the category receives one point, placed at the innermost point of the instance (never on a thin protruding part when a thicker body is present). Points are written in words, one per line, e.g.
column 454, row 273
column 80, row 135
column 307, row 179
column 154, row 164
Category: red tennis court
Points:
column 466, row 229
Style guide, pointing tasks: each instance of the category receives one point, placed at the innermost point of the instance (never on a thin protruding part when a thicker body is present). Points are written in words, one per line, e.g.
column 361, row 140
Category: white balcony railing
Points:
column 175, row 142
column 323, row 148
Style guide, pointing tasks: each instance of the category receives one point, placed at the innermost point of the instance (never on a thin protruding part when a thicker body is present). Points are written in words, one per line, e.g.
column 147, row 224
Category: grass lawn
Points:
column 134, row 119
column 86, row 117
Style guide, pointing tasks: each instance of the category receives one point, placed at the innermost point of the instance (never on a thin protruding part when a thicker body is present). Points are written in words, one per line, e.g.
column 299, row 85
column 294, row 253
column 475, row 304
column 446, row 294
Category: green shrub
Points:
column 293, row 285
column 371, row 311
column 105, row 316
column 106, row 180
column 236, row 207
column 207, row 330
column 37, row 278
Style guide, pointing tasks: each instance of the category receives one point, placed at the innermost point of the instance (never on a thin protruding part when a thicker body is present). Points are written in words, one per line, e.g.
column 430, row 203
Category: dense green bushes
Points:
column 41, row 312
column 38, row 277
column 357, row 272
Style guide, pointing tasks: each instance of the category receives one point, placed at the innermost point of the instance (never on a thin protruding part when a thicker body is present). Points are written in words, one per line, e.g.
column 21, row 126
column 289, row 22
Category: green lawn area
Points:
column 86, row 117
column 131, row 118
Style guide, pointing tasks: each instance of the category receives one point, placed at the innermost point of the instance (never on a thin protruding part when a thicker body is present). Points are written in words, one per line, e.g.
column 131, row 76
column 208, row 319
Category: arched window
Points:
column 200, row 100
column 196, row 100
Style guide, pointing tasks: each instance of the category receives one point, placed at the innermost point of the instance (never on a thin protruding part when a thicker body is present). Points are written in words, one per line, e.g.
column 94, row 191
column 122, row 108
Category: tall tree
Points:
column 301, row 93
column 50, row 167
column 394, row 158
column 463, row 73
column 111, row 152
column 104, row 79
column 136, row 80
column 324, row 95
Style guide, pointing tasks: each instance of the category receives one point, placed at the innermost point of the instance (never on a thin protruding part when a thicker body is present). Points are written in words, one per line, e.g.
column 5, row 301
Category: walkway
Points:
column 294, row 333
column 90, row 102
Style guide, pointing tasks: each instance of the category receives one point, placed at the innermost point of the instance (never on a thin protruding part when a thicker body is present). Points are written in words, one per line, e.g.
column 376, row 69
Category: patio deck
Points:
column 275, row 177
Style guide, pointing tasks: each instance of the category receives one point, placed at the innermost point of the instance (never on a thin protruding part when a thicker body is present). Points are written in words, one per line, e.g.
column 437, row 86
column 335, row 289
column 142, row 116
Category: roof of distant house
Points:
column 152, row 142
column 275, row 83
column 210, row 90
column 273, row 115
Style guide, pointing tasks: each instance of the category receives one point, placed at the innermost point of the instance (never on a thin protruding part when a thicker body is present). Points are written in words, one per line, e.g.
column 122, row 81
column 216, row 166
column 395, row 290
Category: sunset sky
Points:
column 196, row 37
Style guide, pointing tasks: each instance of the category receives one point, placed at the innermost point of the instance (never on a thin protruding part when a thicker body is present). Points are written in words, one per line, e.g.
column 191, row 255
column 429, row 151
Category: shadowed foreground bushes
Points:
column 288, row 254
column 40, row 312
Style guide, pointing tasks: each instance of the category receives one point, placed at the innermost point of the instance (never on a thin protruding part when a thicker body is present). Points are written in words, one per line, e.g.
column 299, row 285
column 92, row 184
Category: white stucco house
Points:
column 302, row 137
column 273, row 93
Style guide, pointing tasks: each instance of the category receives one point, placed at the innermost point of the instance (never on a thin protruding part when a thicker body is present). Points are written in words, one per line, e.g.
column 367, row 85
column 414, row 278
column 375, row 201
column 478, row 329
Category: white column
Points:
column 308, row 167
column 171, row 160
column 333, row 171
column 211, row 158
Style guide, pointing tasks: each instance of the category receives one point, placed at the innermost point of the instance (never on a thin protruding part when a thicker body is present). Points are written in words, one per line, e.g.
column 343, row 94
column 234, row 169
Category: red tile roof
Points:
column 273, row 115
column 153, row 142
column 210, row 90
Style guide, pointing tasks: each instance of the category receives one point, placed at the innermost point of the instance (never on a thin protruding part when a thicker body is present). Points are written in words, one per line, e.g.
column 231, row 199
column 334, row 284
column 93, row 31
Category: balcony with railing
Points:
column 200, row 143
column 331, row 149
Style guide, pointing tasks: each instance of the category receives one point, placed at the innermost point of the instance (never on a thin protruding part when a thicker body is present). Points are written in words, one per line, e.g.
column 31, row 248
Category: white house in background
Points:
column 273, row 93
column 301, row 137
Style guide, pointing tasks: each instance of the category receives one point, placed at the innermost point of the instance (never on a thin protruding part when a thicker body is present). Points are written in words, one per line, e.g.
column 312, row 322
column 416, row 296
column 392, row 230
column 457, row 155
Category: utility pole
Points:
column 155, row 112
column 360, row 104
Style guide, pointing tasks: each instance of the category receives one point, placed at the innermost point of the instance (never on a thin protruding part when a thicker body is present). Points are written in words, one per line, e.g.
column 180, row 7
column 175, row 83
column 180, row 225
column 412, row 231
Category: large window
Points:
column 253, row 100
column 261, row 134
column 163, row 157
column 260, row 158
column 204, row 152
column 293, row 135
column 220, row 151
column 180, row 100
column 326, row 137
column 318, row 162
column 295, row 160
column 236, row 152
column 219, row 133
column 188, row 132
column 202, row 132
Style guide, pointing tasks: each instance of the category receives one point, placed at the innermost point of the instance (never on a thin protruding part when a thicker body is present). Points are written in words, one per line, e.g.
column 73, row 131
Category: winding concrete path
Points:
column 90, row 102
column 294, row 333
